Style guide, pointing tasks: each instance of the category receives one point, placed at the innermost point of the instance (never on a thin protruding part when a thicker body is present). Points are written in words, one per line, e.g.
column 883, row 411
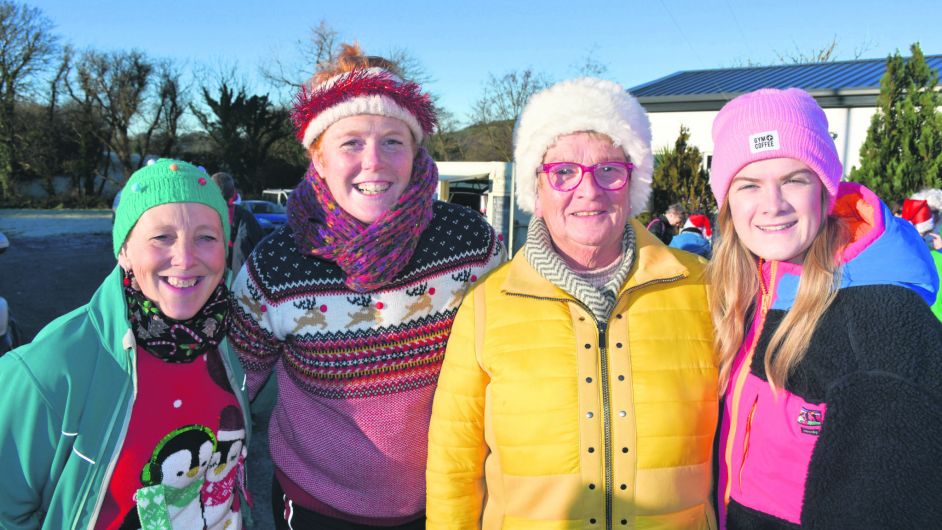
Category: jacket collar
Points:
column 107, row 311
column 653, row 262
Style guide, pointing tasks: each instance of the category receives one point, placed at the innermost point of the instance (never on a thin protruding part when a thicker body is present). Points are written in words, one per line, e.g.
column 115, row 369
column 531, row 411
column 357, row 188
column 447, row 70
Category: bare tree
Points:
column 319, row 50
column 589, row 65
column 825, row 54
column 502, row 101
column 27, row 46
column 171, row 101
column 140, row 103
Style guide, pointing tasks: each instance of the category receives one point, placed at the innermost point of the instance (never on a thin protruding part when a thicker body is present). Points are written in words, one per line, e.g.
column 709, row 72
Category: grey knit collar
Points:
column 547, row 262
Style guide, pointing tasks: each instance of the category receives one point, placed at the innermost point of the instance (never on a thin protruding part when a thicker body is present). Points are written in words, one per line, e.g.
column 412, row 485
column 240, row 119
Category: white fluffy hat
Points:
column 578, row 105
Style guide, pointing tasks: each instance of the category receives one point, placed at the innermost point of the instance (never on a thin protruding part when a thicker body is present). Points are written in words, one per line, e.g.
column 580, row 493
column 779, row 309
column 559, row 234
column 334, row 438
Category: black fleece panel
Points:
column 741, row 517
column 878, row 462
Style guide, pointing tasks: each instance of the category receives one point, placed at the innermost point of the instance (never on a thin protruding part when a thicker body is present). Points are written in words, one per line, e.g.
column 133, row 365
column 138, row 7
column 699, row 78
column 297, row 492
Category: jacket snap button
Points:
column 624, row 521
column 624, row 449
column 592, row 521
column 618, row 345
column 588, row 415
column 591, row 449
column 622, row 413
column 624, row 486
column 621, row 378
column 587, row 345
column 591, row 486
column 588, row 379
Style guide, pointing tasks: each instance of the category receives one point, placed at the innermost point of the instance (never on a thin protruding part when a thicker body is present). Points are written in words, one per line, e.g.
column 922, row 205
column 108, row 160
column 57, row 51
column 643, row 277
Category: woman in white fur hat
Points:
column 579, row 383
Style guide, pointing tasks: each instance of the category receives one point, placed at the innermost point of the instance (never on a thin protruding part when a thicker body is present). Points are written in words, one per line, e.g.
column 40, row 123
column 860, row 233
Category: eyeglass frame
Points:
column 547, row 167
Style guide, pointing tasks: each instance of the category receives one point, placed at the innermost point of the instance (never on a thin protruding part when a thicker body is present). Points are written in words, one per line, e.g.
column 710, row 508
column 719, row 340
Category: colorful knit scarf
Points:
column 177, row 341
column 371, row 255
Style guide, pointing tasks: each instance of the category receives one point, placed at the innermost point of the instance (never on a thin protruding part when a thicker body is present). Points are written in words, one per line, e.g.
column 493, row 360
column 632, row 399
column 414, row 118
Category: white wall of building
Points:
column 848, row 126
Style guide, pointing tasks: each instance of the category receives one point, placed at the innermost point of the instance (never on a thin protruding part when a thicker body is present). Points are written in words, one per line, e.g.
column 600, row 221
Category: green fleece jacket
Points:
column 65, row 403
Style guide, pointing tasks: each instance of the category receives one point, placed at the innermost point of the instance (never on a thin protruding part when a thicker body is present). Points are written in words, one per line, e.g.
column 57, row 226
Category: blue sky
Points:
column 460, row 43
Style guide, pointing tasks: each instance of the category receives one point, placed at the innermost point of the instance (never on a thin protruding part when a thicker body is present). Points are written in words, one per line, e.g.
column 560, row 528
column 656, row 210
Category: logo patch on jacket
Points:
column 810, row 421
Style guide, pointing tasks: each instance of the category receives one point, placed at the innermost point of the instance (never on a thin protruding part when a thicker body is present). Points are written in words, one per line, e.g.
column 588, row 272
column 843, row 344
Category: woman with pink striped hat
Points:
column 351, row 303
column 829, row 355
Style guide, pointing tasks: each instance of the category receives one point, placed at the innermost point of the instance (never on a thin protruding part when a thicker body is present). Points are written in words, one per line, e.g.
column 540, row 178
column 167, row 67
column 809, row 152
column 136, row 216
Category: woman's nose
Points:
column 183, row 253
column 372, row 156
column 588, row 187
column 773, row 201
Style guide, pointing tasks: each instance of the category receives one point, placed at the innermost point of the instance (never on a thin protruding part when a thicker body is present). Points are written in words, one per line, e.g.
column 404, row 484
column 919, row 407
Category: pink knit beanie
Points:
column 772, row 123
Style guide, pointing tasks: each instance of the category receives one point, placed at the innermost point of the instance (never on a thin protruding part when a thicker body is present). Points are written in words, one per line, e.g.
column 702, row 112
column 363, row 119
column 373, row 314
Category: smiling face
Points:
column 366, row 161
column 587, row 223
column 776, row 208
column 178, row 255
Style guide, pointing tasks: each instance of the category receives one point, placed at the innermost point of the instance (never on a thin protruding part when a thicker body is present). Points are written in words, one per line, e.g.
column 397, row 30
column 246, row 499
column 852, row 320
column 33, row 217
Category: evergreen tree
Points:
column 679, row 176
column 903, row 150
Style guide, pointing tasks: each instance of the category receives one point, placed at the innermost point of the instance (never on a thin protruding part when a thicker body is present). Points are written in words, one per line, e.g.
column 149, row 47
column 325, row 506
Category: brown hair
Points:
column 734, row 277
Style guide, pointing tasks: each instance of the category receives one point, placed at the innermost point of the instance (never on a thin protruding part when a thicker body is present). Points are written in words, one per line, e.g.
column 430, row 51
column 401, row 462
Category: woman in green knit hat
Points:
column 130, row 412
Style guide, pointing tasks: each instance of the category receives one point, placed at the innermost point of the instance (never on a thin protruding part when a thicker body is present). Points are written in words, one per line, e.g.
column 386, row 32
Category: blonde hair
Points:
column 735, row 280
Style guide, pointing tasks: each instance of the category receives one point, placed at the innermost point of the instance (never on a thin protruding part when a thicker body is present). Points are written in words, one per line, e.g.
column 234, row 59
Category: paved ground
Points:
column 56, row 260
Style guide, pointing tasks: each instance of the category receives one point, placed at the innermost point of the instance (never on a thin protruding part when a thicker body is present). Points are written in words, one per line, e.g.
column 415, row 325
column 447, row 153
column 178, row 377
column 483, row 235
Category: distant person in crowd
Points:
column 665, row 226
column 695, row 236
column 350, row 304
column 128, row 412
column 245, row 230
column 918, row 212
column 933, row 198
column 579, row 385
column 829, row 355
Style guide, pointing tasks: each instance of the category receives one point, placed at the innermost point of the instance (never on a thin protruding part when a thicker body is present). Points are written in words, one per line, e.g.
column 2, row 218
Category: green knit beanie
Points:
column 160, row 182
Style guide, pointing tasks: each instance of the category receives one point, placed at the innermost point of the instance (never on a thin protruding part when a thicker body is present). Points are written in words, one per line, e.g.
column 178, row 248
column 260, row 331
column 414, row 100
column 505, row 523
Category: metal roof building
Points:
column 847, row 90
column 833, row 84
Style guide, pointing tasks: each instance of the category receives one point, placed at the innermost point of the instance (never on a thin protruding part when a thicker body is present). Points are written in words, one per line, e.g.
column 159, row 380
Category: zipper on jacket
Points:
column 607, row 426
column 746, row 438
column 765, row 303
column 113, row 461
column 606, row 390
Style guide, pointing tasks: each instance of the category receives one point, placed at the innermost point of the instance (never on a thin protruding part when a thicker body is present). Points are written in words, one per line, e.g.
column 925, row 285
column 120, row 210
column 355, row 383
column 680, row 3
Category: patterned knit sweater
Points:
column 356, row 372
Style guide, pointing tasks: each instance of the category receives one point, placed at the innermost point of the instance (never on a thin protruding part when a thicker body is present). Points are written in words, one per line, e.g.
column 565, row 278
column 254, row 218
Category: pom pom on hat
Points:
column 772, row 123
column 583, row 105
column 161, row 182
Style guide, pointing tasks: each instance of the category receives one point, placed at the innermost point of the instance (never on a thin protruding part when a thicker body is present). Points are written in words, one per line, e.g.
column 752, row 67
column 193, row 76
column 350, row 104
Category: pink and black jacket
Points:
column 854, row 440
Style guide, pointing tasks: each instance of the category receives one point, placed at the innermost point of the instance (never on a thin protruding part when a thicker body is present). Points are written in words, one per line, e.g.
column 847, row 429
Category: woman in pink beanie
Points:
column 829, row 355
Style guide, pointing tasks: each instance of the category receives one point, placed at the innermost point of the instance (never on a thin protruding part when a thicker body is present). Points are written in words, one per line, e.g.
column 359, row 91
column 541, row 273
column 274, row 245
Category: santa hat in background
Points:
column 917, row 212
column 701, row 222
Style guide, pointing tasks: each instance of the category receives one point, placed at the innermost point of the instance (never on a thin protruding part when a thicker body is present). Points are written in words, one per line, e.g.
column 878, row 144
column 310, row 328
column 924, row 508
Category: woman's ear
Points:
column 316, row 159
column 123, row 259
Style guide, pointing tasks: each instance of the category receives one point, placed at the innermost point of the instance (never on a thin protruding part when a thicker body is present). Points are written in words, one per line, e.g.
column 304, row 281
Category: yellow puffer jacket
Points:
column 545, row 420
